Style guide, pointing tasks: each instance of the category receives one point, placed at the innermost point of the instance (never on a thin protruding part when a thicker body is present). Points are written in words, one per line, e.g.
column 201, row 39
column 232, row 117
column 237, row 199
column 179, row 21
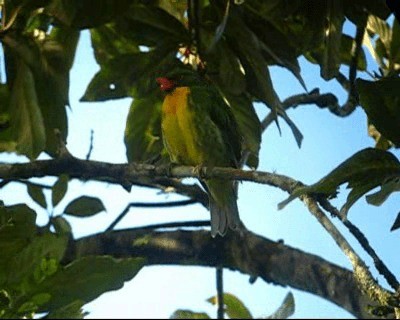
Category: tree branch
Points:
column 247, row 252
column 146, row 174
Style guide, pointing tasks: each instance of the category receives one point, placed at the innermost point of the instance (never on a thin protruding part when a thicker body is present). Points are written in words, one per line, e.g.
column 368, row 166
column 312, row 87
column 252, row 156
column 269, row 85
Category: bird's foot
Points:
column 199, row 171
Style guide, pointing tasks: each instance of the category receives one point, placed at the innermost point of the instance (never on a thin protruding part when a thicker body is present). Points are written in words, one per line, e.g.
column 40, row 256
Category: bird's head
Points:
column 179, row 77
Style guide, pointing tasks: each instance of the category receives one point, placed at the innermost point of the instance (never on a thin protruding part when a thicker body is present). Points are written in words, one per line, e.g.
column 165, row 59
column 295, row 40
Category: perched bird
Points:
column 199, row 129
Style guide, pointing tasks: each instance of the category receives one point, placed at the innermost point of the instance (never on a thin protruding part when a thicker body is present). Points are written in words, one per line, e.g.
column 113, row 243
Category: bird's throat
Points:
column 176, row 100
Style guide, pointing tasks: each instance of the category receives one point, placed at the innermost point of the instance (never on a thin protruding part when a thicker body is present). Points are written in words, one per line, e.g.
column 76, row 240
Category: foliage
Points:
column 230, row 43
column 234, row 308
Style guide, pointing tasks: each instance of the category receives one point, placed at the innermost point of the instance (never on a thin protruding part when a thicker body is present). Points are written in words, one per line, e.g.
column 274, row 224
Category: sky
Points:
column 157, row 291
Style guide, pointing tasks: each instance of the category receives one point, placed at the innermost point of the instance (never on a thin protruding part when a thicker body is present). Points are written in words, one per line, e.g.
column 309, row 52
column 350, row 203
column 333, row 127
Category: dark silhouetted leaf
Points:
column 396, row 224
column 61, row 225
column 80, row 14
column 84, row 206
column 249, row 125
column 59, row 189
column 363, row 171
column 380, row 99
column 70, row 311
column 26, row 118
column 333, row 34
column 37, row 195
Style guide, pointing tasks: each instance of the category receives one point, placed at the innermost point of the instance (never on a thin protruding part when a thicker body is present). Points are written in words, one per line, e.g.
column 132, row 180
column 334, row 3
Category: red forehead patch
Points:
column 165, row 83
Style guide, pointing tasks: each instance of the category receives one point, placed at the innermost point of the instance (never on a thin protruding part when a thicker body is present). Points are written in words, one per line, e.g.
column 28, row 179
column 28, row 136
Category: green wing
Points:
column 207, row 100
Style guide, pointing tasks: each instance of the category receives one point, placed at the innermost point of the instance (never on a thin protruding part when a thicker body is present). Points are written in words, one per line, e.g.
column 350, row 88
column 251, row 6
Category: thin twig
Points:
column 364, row 277
column 357, row 233
column 90, row 145
column 220, row 293
column 148, row 205
column 168, row 225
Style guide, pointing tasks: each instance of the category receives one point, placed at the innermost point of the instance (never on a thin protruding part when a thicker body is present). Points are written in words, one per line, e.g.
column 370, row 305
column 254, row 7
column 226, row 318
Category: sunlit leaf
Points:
column 188, row 314
column 363, row 171
column 87, row 278
column 84, row 206
column 30, row 258
column 143, row 129
column 387, row 188
column 286, row 309
column 234, row 307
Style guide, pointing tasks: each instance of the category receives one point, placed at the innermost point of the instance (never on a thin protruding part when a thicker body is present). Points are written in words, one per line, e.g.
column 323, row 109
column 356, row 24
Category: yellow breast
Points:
column 178, row 128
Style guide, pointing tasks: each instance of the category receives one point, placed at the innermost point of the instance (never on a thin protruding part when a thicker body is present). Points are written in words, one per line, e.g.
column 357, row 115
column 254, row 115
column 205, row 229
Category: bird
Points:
column 200, row 130
column 394, row 6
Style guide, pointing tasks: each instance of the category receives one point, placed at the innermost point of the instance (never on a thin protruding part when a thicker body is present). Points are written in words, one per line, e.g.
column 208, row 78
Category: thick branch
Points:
column 144, row 174
column 248, row 253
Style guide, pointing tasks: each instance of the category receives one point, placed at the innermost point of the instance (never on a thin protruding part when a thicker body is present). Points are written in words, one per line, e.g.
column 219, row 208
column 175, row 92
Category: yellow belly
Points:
column 178, row 128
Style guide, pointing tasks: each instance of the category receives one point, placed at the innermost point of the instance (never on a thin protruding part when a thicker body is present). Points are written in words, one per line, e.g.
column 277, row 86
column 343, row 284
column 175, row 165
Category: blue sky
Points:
column 158, row 291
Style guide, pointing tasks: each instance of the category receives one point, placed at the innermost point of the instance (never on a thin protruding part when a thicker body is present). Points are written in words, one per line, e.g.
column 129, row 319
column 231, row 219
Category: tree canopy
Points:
column 45, row 271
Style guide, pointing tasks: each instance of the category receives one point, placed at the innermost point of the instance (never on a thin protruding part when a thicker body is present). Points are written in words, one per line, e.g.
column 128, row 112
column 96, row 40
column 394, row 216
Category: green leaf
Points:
column 59, row 189
column 380, row 27
column 363, row 171
column 333, row 34
column 157, row 27
column 395, row 45
column 7, row 143
column 219, row 30
column 188, row 314
column 52, row 83
column 249, row 126
column 84, row 206
column 39, row 74
column 108, row 43
column 61, row 225
column 129, row 75
column 380, row 99
column 258, row 78
column 298, row 136
column 275, row 44
column 37, row 195
column 27, row 265
column 346, row 56
column 17, row 228
column 387, row 188
column 81, row 14
column 143, row 129
column 87, row 278
column 69, row 311
column 26, row 118
column 285, row 310
column 234, row 308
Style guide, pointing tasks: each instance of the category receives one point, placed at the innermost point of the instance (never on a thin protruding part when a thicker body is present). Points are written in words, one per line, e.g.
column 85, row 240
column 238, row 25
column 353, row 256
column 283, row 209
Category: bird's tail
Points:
column 223, row 207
